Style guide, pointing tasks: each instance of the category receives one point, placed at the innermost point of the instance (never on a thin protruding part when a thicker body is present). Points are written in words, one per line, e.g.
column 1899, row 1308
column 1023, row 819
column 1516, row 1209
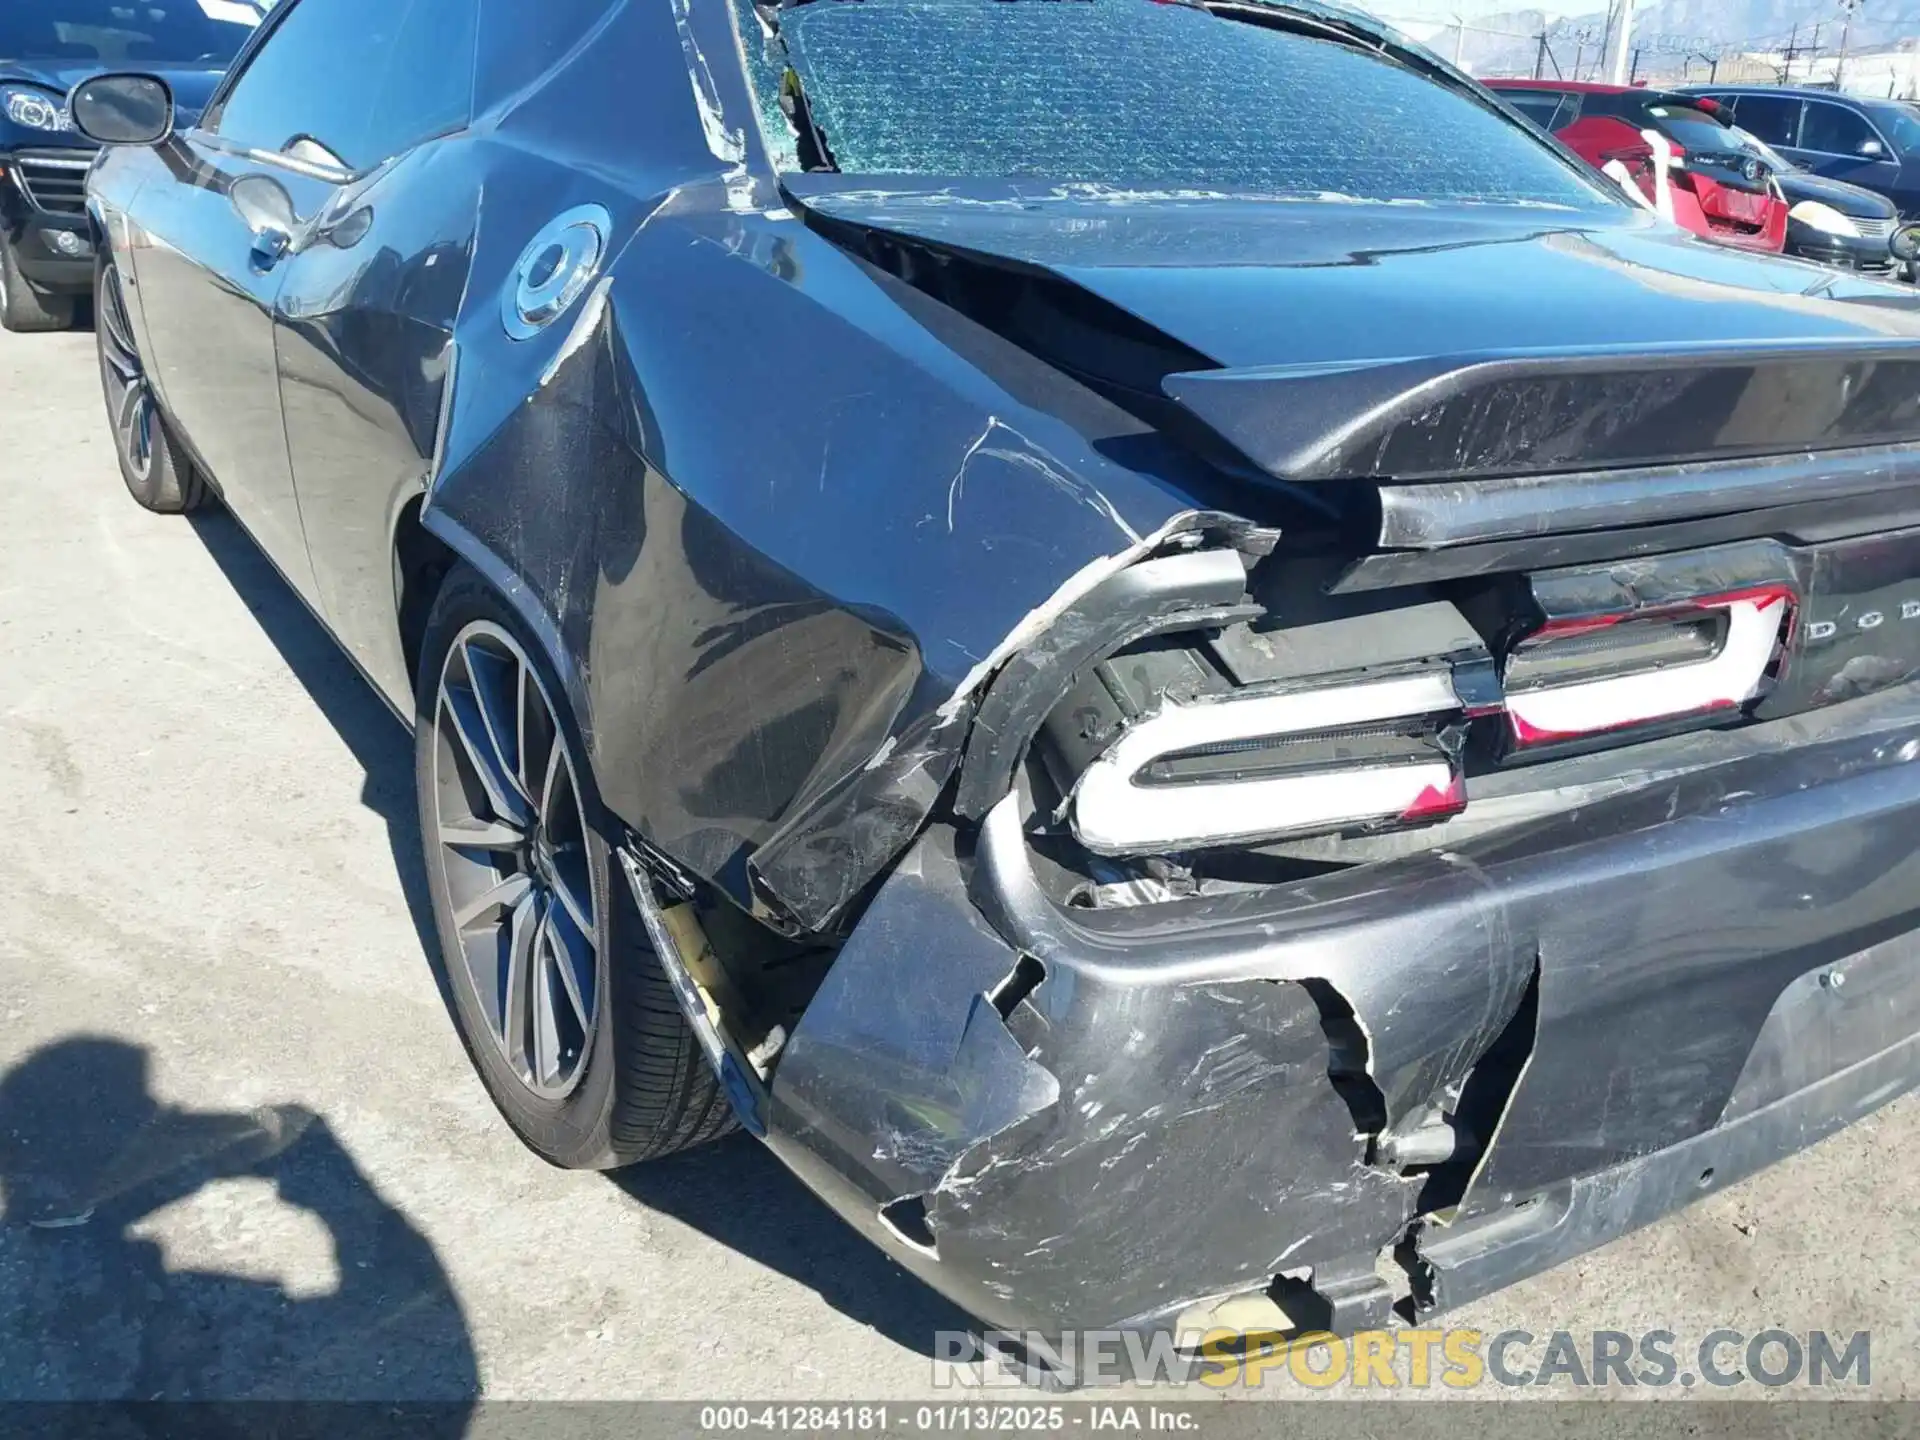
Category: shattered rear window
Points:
column 1141, row 95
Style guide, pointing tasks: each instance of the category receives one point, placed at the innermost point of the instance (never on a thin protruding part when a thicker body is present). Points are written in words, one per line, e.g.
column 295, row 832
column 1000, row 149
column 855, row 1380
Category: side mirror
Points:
column 1872, row 149
column 123, row 109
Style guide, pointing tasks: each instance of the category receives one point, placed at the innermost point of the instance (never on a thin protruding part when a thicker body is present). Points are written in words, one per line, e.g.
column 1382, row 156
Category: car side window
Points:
column 1539, row 106
column 359, row 80
column 1772, row 118
column 1834, row 129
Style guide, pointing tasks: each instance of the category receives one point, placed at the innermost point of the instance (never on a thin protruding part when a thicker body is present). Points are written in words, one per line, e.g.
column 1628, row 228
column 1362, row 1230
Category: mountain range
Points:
column 1506, row 42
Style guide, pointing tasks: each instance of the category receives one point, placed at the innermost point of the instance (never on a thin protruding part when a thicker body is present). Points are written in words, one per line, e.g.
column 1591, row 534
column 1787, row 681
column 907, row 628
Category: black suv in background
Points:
column 46, row 48
column 1874, row 144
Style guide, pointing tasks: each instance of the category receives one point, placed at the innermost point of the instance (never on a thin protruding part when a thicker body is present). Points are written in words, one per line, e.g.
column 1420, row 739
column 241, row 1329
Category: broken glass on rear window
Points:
column 1137, row 95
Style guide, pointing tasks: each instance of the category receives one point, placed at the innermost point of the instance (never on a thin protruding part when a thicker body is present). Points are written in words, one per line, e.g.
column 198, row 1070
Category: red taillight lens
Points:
column 1593, row 675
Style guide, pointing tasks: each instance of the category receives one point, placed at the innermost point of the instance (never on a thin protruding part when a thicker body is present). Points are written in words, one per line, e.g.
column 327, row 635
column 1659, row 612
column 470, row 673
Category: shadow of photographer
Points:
column 90, row 1310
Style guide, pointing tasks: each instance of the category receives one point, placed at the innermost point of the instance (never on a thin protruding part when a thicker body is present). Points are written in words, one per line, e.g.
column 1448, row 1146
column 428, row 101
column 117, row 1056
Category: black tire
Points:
column 157, row 474
column 644, row 1089
column 23, row 309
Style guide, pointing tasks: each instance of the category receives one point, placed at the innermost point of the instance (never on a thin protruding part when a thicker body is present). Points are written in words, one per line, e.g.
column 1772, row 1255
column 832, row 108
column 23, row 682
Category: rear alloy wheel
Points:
column 562, row 1005
column 24, row 309
column 157, row 475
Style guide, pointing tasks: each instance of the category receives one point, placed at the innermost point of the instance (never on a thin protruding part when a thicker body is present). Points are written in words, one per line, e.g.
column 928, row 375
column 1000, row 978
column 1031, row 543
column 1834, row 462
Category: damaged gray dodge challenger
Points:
column 1166, row 648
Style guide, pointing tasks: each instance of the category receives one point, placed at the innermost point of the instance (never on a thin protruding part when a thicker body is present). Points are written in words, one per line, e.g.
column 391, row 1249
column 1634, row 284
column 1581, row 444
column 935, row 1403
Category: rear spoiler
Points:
column 1537, row 412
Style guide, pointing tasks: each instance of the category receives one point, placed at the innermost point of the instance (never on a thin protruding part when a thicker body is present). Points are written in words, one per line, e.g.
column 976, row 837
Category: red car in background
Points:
column 1713, row 184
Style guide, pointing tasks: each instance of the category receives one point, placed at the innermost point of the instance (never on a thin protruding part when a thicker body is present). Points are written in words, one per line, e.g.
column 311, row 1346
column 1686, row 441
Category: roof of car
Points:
column 1657, row 94
column 1799, row 91
column 1661, row 96
column 1584, row 87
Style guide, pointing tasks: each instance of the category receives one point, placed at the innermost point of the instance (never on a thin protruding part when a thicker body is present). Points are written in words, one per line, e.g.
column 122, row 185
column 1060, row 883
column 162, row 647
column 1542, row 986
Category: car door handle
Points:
column 269, row 248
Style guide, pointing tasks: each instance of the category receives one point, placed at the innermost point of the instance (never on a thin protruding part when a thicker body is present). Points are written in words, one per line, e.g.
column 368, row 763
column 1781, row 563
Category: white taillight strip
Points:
column 1112, row 814
column 1729, row 679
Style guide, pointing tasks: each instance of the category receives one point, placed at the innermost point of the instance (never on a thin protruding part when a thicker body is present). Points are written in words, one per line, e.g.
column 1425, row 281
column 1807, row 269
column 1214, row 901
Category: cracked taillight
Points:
column 1225, row 771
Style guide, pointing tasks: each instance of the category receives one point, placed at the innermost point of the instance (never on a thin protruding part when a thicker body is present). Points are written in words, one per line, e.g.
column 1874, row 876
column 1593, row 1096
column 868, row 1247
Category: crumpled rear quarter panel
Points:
column 778, row 531
column 770, row 529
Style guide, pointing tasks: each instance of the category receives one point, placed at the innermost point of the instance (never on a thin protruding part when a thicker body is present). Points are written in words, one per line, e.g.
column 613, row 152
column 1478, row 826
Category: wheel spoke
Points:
column 470, row 731
column 545, row 1023
column 476, row 834
column 117, row 384
column 522, row 703
column 125, row 368
column 569, row 960
column 133, row 417
column 523, row 929
column 505, row 895
column 124, row 415
column 142, row 437
column 119, row 332
column 496, row 685
column 556, row 768
column 565, row 962
column 578, row 907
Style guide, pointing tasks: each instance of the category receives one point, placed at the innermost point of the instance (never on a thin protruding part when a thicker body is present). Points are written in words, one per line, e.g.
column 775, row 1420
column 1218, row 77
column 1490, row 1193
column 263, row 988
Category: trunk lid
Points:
column 1406, row 345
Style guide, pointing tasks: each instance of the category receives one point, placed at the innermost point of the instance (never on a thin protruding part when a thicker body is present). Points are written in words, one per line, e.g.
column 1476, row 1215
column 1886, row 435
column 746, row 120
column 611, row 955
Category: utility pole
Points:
column 1795, row 49
column 1459, row 40
column 1622, row 38
column 1847, row 8
column 1540, row 56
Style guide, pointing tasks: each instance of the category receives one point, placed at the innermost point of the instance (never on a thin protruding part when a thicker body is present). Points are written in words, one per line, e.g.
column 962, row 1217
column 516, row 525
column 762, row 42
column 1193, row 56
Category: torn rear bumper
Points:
column 1642, row 999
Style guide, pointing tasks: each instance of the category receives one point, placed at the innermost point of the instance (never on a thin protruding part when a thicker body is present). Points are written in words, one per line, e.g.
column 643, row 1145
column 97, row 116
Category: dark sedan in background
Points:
column 1188, row 710
column 46, row 48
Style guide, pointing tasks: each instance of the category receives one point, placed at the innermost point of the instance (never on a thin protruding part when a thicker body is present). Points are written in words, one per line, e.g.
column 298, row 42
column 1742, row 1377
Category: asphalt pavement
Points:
column 243, row 1155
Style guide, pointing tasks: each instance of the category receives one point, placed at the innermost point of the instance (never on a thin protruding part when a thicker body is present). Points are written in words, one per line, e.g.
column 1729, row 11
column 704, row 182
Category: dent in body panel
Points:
column 781, row 737
column 561, row 93
column 1086, row 1149
column 1049, row 1210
